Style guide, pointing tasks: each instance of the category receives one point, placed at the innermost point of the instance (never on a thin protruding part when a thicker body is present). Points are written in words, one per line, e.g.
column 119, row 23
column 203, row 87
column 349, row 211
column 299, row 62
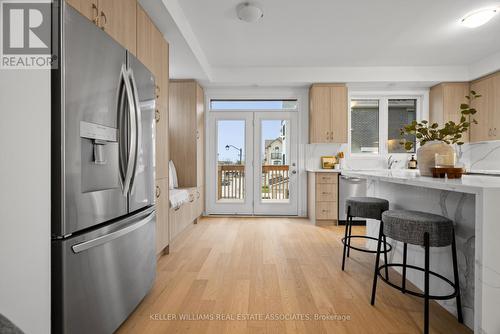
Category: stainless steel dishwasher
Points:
column 350, row 187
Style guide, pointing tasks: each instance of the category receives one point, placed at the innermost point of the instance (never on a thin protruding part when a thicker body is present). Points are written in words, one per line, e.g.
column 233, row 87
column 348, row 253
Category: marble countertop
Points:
column 473, row 184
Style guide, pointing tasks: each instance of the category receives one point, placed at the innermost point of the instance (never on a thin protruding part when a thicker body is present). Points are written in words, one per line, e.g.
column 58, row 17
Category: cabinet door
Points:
column 200, row 137
column 320, row 114
column 485, row 110
column 162, row 150
column 338, row 132
column 118, row 19
column 495, row 105
column 88, row 8
column 145, row 38
column 162, row 209
column 453, row 96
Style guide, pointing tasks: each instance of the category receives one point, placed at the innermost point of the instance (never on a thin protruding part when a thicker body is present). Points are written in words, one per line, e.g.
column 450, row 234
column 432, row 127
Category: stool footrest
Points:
column 389, row 246
column 413, row 293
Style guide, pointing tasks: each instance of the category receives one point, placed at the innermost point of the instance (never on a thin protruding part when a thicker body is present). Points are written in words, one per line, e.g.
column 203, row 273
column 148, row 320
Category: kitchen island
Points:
column 473, row 203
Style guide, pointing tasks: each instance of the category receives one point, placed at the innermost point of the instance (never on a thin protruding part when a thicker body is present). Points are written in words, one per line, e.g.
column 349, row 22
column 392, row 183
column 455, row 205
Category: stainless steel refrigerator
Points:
column 103, row 209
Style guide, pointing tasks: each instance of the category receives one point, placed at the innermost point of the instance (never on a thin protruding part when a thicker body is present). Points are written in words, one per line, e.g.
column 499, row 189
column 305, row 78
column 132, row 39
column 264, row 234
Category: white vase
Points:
column 426, row 155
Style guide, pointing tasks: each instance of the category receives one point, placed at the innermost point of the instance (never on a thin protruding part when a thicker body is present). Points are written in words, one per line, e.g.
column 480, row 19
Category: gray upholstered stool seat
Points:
column 367, row 207
column 410, row 226
column 362, row 207
column 423, row 229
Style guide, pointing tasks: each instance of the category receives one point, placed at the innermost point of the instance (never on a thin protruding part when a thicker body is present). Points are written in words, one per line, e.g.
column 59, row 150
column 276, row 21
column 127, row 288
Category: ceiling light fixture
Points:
column 249, row 12
column 479, row 17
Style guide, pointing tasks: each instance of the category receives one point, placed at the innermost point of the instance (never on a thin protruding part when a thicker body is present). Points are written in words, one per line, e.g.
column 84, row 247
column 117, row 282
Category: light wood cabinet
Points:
column 444, row 103
column 487, row 106
column 153, row 51
column 162, row 213
column 186, row 134
column 328, row 113
column 116, row 17
column 88, row 8
column 188, row 213
column 322, row 199
column 162, row 117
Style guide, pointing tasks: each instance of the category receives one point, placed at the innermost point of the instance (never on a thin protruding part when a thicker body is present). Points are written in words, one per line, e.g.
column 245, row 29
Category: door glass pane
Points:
column 231, row 161
column 401, row 112
column 365, row 126
column 274, row 158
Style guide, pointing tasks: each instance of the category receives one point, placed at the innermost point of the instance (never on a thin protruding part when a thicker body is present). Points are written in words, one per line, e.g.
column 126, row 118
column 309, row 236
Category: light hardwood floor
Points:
column 268, row 266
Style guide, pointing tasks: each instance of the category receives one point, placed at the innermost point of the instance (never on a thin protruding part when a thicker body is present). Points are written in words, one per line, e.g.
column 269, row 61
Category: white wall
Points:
column 25, row 199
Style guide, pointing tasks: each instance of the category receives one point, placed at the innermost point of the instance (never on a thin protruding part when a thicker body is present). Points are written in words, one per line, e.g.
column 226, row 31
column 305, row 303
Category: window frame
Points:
column 383, row 126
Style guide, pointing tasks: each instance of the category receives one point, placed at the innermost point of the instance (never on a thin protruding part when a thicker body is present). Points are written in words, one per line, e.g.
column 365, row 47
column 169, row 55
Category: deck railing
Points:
column 231, row 182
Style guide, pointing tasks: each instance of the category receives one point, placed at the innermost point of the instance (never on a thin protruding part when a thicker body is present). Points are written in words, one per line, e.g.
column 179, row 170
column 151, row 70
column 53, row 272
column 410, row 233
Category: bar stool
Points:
column 422, row 229
column 363, row 207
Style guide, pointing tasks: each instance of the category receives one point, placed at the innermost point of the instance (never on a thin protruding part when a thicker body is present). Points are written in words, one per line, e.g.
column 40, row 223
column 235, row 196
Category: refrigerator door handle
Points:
column 132, row 133
column 83, row 246
column 138, row 124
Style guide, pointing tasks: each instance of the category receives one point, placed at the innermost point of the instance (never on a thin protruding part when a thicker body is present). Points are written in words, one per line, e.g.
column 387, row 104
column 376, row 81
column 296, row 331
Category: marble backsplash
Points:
column 482, row 157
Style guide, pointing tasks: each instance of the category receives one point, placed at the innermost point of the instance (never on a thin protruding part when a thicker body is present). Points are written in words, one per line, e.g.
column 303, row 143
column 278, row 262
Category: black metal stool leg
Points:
column 345, row 236
column 377, row 260
column 426, row 284
column 350, row 233
column 385, row 259
column 457, row 279
column 405, row 252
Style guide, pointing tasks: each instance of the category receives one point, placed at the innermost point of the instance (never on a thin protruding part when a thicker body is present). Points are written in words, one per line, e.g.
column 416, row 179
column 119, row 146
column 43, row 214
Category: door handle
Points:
column 95, row 18
column 132, row 135
column 138, row 124
column 103, row 16
column 80, row 247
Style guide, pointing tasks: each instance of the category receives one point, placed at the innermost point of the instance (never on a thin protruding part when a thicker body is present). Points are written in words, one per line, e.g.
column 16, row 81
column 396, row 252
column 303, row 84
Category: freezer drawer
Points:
column 103, row 275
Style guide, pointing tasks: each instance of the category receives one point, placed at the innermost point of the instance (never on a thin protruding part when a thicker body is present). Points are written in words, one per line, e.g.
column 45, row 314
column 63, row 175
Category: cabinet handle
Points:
column 158, row 192
column 157, row 91
column 495, row 132
column 157, row 115
column 103, row 16
column 489, row 133
column 95, row 18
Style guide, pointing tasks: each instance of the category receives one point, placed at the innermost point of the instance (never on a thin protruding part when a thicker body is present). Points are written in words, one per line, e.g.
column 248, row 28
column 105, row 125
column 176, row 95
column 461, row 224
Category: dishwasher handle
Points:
column 350, row 178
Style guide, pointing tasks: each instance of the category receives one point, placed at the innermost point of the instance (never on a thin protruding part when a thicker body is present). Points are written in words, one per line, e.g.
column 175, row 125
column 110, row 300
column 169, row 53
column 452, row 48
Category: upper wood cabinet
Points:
column 88, row 8
column 186, row 124
column 445, row 100
column 153, row 51
column 488, row 109
column 328, row 113
column 116, row 17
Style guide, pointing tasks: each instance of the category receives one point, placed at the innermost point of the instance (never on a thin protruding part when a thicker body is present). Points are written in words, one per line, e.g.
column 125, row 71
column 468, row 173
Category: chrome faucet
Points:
column 390, row 162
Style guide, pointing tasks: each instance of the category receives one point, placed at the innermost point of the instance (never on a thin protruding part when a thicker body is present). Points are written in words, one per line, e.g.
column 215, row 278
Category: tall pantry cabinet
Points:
column 152, row 51
column 186, row 133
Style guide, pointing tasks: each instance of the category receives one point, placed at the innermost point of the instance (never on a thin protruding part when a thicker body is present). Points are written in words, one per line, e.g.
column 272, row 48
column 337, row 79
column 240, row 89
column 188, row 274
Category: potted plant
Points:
column 433, row 139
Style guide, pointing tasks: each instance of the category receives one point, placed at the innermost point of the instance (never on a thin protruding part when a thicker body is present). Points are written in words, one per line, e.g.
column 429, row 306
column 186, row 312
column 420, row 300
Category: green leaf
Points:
column 464, row 106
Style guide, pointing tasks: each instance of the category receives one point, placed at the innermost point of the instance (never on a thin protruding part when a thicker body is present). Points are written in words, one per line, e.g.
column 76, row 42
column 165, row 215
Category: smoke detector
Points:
column 249, row 12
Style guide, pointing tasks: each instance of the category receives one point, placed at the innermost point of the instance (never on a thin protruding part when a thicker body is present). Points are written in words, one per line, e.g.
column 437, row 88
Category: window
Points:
column 376, row 123
column 401, row 112
column 365, row 126
column 285, row 105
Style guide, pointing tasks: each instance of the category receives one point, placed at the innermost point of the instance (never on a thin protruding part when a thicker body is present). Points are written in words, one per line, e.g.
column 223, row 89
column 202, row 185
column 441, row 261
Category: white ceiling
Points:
column 301, row 41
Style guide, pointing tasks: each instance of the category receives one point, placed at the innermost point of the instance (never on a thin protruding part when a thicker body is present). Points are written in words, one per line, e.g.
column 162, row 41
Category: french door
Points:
column 252, row 167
